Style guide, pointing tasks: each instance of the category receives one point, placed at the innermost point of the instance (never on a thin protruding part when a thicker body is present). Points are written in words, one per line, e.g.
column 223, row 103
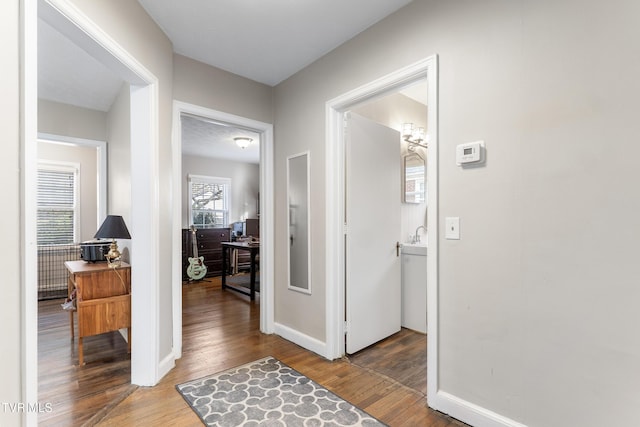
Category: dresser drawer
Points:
column 213, row 235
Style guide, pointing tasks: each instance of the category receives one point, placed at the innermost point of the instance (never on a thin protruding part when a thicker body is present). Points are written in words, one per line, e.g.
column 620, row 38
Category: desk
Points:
column 253, row 249
column 103, row 299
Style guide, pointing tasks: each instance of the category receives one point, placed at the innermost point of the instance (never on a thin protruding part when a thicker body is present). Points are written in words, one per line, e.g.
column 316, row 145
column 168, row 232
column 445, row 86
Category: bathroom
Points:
column 398, row 110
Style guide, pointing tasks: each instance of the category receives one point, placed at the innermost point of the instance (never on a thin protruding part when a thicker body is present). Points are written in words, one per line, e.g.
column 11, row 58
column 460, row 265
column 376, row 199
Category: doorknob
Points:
column 397, row 249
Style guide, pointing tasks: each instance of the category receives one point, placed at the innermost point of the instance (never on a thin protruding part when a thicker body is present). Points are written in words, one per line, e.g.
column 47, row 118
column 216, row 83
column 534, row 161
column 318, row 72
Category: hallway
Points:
column 220, row 331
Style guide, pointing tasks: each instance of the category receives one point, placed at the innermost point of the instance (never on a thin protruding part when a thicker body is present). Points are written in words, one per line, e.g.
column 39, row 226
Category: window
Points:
column 209, row 201
column 57, row 203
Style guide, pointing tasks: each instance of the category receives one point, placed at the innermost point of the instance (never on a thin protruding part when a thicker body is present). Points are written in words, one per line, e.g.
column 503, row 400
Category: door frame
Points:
column 146, row 370
column 423, row 70
column 265, row 130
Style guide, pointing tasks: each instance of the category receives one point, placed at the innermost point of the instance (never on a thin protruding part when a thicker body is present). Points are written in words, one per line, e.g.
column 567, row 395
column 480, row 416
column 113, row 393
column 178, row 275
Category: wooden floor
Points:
column 220, row 331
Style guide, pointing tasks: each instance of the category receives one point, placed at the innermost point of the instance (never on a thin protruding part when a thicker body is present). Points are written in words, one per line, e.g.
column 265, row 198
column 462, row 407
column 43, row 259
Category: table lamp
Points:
column 113, row 228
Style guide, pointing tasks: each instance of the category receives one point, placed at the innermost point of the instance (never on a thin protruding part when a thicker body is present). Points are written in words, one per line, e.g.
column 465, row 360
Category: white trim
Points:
column 145, row 208
column 71, row 21
column 267, row 277
column 472, row 414
column 73, row 167
column 300, row 339
column 433, row 264
column 335, row 109
column 29, row 205
column 211, row 180
column 309, row 245
column 101, row 163
column 166, row 364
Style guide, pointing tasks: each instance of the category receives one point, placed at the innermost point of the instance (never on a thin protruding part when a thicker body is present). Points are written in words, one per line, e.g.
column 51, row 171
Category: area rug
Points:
column 269, row 393
column 244, row 281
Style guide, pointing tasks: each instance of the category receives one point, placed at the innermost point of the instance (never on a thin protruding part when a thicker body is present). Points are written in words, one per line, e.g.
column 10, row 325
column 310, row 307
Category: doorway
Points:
column 265, row 207
column 144, row 201
column 425, row 70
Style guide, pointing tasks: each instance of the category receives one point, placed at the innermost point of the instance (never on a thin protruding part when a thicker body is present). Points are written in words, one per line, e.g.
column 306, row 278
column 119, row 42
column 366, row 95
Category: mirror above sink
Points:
column 414, row 178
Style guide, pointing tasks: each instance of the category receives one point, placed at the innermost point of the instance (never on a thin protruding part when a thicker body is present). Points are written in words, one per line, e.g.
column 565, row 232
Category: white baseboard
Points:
column 166, row 365
column 310, row 343
column 468, row 412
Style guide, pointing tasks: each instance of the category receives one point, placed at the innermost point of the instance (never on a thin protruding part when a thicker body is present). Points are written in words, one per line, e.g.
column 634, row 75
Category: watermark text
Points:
column 20, row 407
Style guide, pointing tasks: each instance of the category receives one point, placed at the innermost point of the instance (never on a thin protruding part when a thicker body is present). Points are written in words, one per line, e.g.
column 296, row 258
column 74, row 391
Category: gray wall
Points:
column 541, row 321
column 120, row 164
column 63, row 119
column 67, row 120
column 245, row 184
column 541, row 324
column 205, row 86
column 128, row 25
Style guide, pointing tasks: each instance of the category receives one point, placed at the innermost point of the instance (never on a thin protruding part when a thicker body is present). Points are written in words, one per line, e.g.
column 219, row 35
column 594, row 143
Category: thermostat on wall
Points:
column 470, row 153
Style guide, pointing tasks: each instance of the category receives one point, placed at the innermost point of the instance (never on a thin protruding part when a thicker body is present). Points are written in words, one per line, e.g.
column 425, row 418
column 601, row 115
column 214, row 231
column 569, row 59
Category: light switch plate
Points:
column 452, row 231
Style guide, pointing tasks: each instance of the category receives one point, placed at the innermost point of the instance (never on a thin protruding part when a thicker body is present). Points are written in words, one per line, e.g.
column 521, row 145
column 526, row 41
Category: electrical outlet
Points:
column 452, row 231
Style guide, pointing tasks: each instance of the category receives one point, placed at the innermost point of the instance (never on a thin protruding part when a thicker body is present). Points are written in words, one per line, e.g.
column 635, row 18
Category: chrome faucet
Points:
column 416, row 238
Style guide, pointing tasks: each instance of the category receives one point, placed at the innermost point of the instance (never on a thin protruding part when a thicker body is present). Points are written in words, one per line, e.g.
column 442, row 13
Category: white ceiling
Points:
column 202, row 137
column 263, row 41
column 69, row 75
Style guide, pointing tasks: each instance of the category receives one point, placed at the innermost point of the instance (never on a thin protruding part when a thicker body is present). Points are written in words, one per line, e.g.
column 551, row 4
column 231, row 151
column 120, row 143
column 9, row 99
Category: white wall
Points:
column 245, row 184
column 540, row 323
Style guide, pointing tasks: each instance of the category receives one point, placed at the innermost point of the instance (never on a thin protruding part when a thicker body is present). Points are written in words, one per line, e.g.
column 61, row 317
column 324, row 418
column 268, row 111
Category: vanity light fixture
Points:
column 242, row 141
column 413, row 135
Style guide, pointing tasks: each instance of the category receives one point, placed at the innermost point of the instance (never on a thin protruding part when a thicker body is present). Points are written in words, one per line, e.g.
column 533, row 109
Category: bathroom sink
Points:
column 414, row 248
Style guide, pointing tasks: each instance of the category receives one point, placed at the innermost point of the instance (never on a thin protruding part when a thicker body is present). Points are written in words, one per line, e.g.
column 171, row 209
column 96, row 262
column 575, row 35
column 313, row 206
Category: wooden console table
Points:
column 103, row 299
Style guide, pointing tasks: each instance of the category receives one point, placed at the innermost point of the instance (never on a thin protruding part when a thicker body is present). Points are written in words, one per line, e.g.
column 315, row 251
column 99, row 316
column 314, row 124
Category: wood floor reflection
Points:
column 220, row 331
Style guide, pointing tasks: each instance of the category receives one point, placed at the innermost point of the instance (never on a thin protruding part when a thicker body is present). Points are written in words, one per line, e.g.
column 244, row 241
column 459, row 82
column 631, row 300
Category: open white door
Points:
column 373, row 196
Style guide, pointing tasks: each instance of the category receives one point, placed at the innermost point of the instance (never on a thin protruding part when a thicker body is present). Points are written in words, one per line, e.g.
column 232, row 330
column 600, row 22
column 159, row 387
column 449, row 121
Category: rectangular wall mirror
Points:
column 414, row 178
column 298, row 220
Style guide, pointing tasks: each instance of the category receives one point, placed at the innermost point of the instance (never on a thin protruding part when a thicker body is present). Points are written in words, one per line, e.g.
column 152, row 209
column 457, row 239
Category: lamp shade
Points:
column 113, row 227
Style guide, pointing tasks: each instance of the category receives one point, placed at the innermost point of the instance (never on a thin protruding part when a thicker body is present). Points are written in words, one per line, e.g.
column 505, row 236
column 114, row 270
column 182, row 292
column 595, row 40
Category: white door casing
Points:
column 373, row 267
column 422, row 70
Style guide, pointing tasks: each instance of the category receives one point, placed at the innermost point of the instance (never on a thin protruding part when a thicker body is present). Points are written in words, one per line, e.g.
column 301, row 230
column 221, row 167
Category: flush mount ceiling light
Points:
column 243, row 141
column 413, row 135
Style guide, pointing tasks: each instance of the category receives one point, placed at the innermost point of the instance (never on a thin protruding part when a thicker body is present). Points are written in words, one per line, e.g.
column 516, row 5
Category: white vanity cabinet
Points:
column 414, row 287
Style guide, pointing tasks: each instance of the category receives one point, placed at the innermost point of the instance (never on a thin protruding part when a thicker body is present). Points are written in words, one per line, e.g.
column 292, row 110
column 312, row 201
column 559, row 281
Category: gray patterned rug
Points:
column 269, row 393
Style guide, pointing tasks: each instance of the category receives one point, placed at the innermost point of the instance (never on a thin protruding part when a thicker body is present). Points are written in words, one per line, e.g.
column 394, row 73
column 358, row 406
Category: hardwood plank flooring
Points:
column 402, row 356
column 220, row 331
column 77, row 393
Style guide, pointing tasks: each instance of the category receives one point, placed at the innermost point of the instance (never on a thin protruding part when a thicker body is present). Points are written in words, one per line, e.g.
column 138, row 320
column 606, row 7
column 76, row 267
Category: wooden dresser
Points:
column 102, row 298
column 209, row 247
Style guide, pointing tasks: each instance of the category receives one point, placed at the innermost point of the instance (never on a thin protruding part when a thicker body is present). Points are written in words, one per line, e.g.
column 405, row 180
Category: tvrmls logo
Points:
column 20, row 407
